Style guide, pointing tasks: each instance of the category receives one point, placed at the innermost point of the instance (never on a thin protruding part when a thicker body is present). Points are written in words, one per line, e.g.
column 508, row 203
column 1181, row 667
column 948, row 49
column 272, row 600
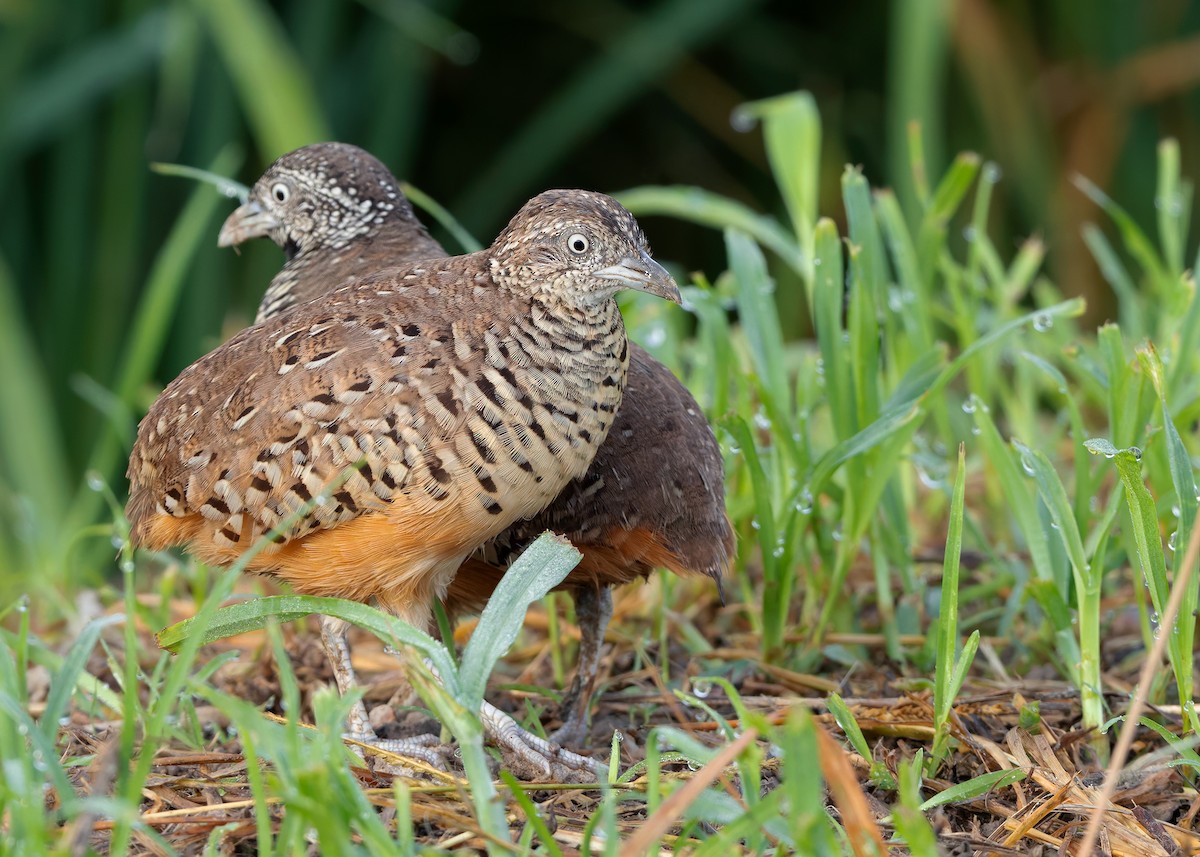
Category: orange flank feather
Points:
column 622, row 556
column 400, row 558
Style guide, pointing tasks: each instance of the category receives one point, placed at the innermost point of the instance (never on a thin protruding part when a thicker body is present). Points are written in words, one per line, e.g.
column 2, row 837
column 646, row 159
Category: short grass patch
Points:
column 961, row 516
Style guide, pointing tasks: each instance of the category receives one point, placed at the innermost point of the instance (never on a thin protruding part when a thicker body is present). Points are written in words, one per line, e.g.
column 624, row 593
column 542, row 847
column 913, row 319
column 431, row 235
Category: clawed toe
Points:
column 538, row 759
column 533, row 758
column 525, row 754
column 425, row 749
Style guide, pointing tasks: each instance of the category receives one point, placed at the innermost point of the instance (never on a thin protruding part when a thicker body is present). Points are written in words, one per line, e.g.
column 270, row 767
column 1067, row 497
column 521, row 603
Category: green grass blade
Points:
column 67, row 678
column 1188, row 342
column 443, row 700
column 792, row 135
column 1083, row 479
column 879, row 775
column 1054, row 496
column 271, row 80
column 449, row 222
column 910, row 821
column 950, row 192
column 916, row 59
column 739, row 825
column 1184, row 748
column 845, row 718
column 1025, row 265
column 1067, row 309
column 255, row 613
column 1183, row 480
column 1173, row 203
column 224, row 186
column 1123, row 416
column 1147, row 541
column 827, row 299
column 918, row 378
column 868, row 275
column 43, row 746
column 1136, row 242
column 759, row 318
column 807, row 817
column 947, row 623
column 429, row 28
column 952, row 189
column 1129, row 306
column 973, row 788
column 903, row 254
column 711, row 209
column 541, row 567
column 882, row 429
column 532, row 815
column 1019, row 499
column 774, row 608
column 962, row 665
column 916, row 167
column 85, row 682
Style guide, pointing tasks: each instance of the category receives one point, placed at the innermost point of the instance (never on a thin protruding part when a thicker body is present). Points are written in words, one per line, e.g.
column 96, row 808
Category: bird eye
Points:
column 280, row 191
column 578, row 243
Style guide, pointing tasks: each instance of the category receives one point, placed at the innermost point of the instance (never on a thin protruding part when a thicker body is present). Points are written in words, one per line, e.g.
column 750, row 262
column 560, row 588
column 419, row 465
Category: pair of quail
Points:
column 464, row 404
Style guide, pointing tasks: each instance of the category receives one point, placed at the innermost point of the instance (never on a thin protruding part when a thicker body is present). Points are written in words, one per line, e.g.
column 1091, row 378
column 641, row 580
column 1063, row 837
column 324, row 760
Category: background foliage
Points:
column 848, row 330
column 482, row 106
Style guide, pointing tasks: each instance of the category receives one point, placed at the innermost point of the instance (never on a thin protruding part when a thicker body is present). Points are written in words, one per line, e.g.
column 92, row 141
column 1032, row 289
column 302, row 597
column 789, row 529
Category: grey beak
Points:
column 644, row 274
column 247, row 221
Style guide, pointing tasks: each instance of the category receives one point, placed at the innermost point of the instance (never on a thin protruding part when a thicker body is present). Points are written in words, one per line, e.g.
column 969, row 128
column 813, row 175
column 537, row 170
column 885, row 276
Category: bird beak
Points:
column 644, row 274
column 247, row 221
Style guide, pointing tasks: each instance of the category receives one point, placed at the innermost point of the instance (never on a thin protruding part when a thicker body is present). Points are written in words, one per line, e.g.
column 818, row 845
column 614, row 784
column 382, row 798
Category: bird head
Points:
column 318, row 197
column 580, row 246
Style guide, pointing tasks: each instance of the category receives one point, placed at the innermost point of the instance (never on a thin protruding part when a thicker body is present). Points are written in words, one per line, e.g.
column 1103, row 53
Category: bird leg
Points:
column 426, row 748
column 593, row 610
column 526, row 754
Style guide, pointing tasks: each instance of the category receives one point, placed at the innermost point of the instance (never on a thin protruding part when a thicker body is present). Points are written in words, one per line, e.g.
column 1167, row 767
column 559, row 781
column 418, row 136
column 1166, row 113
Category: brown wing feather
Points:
column 251, row 433
column 659, row 471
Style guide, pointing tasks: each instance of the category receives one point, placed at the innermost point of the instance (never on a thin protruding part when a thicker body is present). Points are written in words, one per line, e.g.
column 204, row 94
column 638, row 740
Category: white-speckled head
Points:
column 321, row 196
column 580, row 245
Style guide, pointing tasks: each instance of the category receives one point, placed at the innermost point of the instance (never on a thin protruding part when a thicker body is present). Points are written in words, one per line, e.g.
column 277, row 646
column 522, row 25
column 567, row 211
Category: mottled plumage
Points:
column 453, row 398
column 653, row 496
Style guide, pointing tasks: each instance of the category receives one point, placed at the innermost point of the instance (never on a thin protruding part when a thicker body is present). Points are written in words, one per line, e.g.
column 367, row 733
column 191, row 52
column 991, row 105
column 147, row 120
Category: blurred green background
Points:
column 111, row 281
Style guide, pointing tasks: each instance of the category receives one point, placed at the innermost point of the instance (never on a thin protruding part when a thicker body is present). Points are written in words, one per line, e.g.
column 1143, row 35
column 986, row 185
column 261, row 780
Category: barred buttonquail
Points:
column 450, row 398
column 653, row 496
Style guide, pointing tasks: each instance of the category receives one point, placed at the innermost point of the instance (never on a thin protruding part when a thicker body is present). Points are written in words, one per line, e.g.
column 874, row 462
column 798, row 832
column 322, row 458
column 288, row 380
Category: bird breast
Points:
column 544, row 399
column 487, row 417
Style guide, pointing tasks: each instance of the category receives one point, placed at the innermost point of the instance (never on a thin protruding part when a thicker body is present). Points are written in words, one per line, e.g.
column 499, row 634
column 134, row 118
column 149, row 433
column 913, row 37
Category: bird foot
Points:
column 427, row 750
column 533, row 758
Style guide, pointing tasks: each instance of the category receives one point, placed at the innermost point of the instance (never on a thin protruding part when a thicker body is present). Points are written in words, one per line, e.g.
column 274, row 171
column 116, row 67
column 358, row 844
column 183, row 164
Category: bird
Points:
column 337, row 212
column 654, row 495
column 380, row 432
